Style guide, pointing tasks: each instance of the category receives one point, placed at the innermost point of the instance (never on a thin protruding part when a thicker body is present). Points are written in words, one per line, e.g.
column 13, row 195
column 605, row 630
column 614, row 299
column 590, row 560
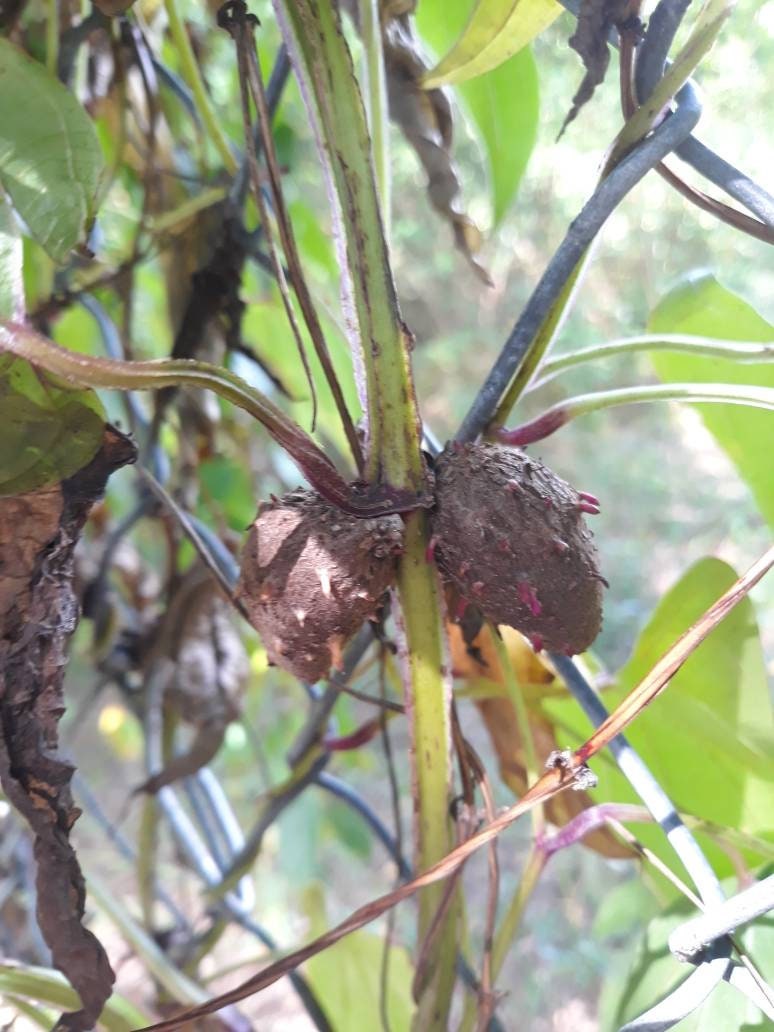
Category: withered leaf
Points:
column 425, row 119
column 590, row 40
column 209, row 669
column 38, row 614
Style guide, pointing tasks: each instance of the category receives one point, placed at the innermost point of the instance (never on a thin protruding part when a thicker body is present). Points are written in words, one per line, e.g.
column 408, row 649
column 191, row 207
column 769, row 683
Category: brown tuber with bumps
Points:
column 509, row 534
column 311, row 575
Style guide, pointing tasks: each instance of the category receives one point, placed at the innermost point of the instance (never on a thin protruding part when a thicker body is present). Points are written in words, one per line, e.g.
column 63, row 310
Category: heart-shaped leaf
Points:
column 50, row 158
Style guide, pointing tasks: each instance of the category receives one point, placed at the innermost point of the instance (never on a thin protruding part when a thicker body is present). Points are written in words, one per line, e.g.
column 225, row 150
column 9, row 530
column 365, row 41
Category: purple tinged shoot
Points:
column 535, row 430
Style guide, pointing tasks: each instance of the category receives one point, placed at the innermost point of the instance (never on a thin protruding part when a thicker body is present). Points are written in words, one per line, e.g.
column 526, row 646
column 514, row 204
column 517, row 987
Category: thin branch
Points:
column 194, row 80
column 559, row 415
column 709, row 347
column 237, row 29
column 692, row 937
column 608, row 194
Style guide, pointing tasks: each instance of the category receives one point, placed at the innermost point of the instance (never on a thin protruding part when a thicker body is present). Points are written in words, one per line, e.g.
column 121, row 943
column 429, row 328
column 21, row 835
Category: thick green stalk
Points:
column 428, row 711
column 380, row 341
column 381, row 351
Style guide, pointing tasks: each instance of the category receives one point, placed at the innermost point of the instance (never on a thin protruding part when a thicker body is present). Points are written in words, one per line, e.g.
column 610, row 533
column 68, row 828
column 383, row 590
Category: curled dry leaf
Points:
column 590, row 39
column 207, row 673
column 38, row 613
column 511, row 538
column 425, row 118
column 311, row 575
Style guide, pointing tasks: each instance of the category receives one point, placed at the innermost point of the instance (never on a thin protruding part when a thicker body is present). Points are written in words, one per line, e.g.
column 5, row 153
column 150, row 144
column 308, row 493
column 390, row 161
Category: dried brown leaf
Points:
column 590, row 39
column 425, row 118
column 38, row 614
column 210, row 670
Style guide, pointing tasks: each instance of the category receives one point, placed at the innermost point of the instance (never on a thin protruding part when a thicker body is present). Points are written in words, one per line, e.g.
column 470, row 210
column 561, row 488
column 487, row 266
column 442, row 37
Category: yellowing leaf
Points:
column 48, row 429
column 497, row 30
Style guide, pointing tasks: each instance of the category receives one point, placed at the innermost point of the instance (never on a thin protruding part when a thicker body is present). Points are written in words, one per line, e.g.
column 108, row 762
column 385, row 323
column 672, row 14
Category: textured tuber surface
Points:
column 311, row 575
column 511, row 537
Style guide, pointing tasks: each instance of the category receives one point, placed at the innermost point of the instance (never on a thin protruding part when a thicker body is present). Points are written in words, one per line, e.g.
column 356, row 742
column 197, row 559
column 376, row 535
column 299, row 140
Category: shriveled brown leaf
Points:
column 590, row 40
column 499, row 716
column 38, row 614
column 425, row 119
column 209, row 670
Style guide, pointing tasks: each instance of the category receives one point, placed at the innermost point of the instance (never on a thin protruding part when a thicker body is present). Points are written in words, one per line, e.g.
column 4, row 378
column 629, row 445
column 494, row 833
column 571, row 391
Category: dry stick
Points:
column 568, row 770
column 287, row 236
column 255, row 182
column 487, row 998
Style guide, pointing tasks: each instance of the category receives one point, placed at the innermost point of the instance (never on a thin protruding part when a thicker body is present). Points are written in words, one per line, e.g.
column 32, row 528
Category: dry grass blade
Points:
column 661, row 674
column 553, row 781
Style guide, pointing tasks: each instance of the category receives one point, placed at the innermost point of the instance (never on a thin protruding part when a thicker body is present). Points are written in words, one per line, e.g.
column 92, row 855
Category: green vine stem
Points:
column 88, row 371
column 540, row 344
column 193, row 78
column 558, row 415
column 376, row 104
column 707, row 347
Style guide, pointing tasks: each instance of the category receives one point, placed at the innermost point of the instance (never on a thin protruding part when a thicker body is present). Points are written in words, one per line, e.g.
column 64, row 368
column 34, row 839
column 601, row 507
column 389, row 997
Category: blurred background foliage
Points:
column 678, row 484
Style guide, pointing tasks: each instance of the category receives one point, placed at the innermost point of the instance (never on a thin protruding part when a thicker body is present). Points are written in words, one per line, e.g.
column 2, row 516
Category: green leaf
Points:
column 11, row 261
column 654, row 973
column 497, row 30
column 48, row 430
column 50, row 158
column 502, row 105
column 346, row 978
column 52, row 989
column 707, row 739
column 705, row 307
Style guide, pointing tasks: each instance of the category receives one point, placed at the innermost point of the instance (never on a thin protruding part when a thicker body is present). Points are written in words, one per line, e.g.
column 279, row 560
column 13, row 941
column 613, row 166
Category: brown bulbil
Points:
column 546, row 582
column 311, row 575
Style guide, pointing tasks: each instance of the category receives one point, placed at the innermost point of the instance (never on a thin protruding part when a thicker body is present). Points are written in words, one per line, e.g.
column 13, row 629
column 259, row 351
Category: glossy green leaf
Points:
column 503, row 105
column 496, row 30
column 48, row 987
column 48, row 430
column 707, row 739
column 50, row 158
column 11, row 260
column 654, row 973
column 703, row 306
